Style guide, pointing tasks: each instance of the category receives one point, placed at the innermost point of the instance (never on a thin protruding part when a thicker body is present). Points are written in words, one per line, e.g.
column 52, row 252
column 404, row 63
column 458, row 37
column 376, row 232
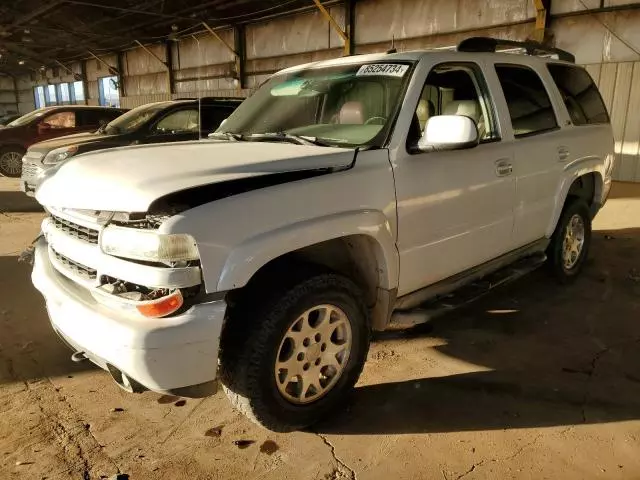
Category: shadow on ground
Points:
column 11, row 201
column 558, row 355
column 29, row 349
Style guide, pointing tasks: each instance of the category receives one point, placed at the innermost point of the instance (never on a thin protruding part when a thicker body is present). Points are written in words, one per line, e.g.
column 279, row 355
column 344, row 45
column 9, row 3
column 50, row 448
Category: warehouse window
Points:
column 64, row 93
column 78, row 92
column 108, row 91
column 528, row 101
column 50, row 95
column 580, row 94
column 38, row 94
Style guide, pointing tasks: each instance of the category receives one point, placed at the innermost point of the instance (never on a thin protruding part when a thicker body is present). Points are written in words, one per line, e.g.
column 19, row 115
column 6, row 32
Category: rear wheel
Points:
column 570, row 242
column 305, row 348
column 11, row 162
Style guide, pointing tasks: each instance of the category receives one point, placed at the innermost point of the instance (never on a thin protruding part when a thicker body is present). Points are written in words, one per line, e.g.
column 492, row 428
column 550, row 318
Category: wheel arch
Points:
column 585, row 185
column 358, row 246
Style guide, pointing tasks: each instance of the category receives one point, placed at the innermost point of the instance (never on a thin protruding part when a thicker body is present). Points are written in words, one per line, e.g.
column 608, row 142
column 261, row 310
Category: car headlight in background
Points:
column 148, row 245
column 59, row 154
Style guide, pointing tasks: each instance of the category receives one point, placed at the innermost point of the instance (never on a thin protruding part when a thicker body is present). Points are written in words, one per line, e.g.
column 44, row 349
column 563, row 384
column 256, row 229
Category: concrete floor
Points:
column 534, row 381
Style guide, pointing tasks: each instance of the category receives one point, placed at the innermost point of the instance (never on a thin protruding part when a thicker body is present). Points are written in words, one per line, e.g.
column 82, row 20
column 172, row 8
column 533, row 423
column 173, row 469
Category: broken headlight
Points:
column 148, row 245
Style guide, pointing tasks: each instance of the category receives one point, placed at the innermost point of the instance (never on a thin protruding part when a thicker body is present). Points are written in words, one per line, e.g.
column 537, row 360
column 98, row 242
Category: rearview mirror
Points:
column 449, row 132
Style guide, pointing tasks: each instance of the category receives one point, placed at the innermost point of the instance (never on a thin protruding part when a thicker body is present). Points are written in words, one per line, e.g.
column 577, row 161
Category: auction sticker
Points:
column 384, row 69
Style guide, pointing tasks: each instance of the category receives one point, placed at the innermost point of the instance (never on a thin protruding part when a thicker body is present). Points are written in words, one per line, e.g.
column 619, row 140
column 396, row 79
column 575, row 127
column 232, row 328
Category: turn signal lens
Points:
column 162, row 307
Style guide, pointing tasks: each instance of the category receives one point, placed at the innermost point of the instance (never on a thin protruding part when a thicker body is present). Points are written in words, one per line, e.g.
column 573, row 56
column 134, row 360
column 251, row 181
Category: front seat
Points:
column 467, row 108
column 351, row 113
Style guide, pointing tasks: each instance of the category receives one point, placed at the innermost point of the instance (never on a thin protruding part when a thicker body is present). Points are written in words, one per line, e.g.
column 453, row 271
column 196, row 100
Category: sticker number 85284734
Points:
column 382, row 69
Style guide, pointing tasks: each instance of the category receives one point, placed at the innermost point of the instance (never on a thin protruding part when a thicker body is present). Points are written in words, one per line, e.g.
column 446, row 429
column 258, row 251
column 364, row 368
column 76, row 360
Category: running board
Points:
column 464, row 295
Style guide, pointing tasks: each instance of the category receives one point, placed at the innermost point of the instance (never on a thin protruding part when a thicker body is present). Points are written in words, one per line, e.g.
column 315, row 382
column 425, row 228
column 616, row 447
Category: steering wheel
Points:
column 372, row 120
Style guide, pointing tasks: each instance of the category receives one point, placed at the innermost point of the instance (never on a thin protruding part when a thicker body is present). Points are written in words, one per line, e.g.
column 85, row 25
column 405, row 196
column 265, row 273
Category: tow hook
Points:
column 79, row 357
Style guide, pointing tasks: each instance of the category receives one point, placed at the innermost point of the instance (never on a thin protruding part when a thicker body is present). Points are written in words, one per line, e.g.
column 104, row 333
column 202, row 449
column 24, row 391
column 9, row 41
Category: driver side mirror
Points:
column 449, row 132
column 44, row 127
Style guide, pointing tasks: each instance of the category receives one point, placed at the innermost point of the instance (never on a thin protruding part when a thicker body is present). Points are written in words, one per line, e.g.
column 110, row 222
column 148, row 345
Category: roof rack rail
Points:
column 487, row 44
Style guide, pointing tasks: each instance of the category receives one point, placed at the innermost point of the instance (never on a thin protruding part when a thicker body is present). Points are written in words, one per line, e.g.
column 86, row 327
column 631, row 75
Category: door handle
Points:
column 563, row 153
column 503, row 168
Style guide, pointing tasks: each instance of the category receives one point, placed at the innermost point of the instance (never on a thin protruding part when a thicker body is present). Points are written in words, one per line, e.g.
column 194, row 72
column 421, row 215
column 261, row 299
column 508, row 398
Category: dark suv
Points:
column 46, row 123
column 170, row 121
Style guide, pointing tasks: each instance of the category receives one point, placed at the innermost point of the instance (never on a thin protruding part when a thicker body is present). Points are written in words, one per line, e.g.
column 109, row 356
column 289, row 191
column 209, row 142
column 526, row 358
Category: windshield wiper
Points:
column 287, row 137
column 236, row 137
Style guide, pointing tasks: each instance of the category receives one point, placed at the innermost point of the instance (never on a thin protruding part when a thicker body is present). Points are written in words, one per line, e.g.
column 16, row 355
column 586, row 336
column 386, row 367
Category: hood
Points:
column 7, row 132
column 76, row 139
column 129, row 179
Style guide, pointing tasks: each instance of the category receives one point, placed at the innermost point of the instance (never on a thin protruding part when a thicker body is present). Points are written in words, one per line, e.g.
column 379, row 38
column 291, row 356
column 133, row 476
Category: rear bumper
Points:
column 177, row 354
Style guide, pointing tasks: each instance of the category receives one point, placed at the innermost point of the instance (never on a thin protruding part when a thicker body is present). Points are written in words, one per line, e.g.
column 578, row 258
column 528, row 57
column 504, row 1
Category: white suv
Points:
column 342, row 196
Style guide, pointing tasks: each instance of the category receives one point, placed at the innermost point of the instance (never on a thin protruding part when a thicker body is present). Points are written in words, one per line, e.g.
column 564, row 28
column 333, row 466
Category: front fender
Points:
column 247, row 258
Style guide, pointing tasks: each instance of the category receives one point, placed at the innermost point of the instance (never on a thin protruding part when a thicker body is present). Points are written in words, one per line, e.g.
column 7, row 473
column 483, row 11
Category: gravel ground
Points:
column 533, row 381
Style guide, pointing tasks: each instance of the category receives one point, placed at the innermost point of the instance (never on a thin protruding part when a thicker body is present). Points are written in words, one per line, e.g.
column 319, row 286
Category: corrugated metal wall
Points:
column 608, row 43
column 8, row 100
column 619, row 84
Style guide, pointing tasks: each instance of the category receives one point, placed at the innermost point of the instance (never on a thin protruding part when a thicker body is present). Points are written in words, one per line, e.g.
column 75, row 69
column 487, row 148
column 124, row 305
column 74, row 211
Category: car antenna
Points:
column 393, row 48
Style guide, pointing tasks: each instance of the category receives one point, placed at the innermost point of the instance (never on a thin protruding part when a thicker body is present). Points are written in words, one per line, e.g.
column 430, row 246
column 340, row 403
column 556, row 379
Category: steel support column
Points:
column 543, row 9
column 350, row 26
column 169, row 64
column 85, row 81
column 241, row 55
column 336, row 27
column 121, row 89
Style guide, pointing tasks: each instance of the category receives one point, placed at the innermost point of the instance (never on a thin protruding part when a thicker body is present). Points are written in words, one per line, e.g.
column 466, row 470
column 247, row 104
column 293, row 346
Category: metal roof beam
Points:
column 128, row 10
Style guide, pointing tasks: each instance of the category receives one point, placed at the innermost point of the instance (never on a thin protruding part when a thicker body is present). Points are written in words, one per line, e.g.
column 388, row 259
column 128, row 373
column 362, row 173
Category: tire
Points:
column 254, row 341
column 11, row 162
column 563, row 263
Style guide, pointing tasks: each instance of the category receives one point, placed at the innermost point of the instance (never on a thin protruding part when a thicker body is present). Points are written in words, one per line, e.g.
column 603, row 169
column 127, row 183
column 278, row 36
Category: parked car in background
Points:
column 46, row 123
column 170, row 121
column 8, row 118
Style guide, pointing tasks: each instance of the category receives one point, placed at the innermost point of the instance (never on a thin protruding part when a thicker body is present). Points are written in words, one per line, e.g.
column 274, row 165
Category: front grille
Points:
column 30, row 170
column 75, row 267
column 86, row 234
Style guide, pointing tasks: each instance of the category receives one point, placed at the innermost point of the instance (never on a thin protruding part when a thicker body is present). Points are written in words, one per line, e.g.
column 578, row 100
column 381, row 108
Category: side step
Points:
column 468, row 293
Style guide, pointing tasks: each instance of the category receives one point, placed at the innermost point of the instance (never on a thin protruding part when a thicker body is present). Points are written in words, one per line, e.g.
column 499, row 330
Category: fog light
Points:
column 162, row 307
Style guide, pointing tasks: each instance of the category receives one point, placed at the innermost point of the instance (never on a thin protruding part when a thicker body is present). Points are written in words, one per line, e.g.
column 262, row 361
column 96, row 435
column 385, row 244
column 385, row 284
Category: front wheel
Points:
column 305, row 349
column 570, row 242
column 11, row 162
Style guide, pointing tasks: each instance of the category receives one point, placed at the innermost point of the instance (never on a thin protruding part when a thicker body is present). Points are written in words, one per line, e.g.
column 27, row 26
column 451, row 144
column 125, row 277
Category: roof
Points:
column 79, row 107
column 438, row 55
column 38, row 32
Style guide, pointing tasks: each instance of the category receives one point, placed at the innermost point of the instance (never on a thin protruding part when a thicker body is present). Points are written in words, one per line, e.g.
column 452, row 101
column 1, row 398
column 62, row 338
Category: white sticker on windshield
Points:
column 386, row 69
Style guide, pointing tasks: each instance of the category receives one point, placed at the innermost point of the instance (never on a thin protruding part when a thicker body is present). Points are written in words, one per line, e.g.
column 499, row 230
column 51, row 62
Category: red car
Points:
column 44, row 124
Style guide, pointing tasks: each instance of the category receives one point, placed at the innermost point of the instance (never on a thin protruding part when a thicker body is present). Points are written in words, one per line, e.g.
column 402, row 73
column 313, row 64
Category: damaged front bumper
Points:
column 176, row 354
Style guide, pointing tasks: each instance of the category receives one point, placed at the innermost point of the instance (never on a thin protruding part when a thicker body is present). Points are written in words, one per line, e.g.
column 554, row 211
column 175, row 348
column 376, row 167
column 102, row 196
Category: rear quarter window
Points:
column 97, row 117
column 580, row 95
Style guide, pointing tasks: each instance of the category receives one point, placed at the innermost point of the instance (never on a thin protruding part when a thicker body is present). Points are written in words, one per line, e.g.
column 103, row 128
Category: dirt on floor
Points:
column 534, row 381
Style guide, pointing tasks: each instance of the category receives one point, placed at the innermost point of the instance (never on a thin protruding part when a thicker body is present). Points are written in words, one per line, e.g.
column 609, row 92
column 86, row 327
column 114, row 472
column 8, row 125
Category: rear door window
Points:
column 529, row 104
column 61, row 120
column 212, row 116
column 179, row 121
column 96, row 118
column 580, row 94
